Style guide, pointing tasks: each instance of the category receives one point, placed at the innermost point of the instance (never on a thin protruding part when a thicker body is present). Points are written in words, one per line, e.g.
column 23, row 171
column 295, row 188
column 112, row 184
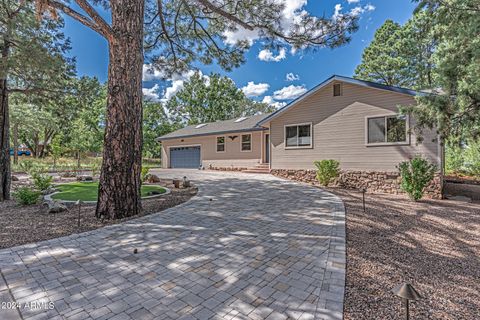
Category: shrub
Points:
column 26, row 195
column 144, row 173
column 472, row 158
column 454, row 159
column 42, row 181
column 416, row 174
column 327, row 170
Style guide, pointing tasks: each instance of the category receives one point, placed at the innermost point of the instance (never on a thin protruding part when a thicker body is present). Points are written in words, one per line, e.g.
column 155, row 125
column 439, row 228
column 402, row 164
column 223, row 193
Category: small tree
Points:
column 416, row 174
column 327, row 170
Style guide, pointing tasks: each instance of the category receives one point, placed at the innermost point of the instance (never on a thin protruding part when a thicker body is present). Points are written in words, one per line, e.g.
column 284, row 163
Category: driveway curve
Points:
column 246, row 247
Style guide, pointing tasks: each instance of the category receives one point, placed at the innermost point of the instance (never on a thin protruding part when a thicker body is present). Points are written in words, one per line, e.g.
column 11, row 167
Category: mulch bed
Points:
column 434, row 244
column 26, row 224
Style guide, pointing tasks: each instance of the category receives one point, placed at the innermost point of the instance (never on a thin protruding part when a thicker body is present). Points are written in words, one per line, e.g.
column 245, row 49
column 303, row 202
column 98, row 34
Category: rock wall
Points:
column 371, row 181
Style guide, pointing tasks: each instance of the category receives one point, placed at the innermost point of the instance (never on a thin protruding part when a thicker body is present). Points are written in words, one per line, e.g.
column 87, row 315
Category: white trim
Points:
column 181, row 146
column 293, row 125
column 251, row 142
column 224, row 144
column 384, row 144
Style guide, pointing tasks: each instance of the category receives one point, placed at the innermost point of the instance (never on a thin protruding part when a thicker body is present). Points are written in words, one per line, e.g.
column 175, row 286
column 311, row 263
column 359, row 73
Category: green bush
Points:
column 26, row 196
column 472, row 158
column 416, row 174
column 144, row 173
column 454, row 159
column 327, row 170
column 42, row 181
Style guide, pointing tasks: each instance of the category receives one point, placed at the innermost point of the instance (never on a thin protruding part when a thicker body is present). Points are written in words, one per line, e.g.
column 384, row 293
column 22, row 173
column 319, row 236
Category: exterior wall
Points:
column 339, row 130
column 233, row 157
column 371, row 181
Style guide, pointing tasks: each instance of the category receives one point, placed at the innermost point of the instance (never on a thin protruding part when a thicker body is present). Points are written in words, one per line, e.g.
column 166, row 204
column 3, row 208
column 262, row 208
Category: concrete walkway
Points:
column 246, row 247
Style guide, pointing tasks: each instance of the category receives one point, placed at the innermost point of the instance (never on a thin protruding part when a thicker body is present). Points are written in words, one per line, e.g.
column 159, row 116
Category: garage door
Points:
column 185, row 157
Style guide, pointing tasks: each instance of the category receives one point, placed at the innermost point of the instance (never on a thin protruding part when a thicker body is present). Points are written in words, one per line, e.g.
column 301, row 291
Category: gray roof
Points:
column 219, row 127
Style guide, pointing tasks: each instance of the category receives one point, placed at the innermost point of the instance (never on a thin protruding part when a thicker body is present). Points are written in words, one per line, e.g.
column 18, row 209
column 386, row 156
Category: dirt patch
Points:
column 26, row 224
column 434, row 244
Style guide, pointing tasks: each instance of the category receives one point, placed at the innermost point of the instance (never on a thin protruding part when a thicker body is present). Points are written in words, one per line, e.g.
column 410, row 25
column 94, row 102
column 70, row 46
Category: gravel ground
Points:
column 433, row 244
column 25, row 224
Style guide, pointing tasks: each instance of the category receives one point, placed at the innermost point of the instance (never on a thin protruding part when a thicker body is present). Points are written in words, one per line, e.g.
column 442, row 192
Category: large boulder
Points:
column 84, row 178
column 151, row 178
column 15, row 178
column 55, row 206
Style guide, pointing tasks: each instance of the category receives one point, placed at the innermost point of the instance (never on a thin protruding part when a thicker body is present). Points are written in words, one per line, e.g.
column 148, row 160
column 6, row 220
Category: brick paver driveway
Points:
column 247, row 247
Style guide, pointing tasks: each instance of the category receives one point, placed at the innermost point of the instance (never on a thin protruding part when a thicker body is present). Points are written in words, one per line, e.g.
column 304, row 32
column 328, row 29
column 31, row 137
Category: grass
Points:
column 88, row 191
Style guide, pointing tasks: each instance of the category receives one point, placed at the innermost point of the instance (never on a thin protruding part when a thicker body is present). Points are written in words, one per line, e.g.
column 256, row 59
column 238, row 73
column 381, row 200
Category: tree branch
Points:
column 77, row 16
column 96, row 17
column 224, row 14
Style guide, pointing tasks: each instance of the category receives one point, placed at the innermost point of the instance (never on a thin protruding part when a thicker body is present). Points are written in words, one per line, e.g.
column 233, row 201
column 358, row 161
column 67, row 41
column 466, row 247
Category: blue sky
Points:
column 268, row 77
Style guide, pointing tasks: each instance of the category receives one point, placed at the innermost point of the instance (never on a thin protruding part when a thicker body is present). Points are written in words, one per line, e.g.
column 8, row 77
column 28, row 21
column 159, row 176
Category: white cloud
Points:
column 270, row 101
column 359, row 10
column 290, row 92
column 267, row 55
column 353, row 1
column 232, row 37
column 338, row 11
column 150, row 73
column 151, row 94
column 255, row 89
column 292, row 77
column 177, row 83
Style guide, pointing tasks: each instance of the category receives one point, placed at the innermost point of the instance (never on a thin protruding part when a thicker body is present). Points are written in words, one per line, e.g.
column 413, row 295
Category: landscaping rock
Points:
column 84, row 178
column 154, row 193
column 55, row 206
column 68, row 174
column 15, row 178
column 50, row 190
column 151, row 178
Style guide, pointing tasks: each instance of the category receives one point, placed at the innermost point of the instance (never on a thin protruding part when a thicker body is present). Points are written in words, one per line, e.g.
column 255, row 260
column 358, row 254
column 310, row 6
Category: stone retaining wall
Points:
column 372, row 181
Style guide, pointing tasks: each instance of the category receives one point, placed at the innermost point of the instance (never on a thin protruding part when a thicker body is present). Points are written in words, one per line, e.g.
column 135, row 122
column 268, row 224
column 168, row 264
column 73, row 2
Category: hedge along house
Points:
column 355, row 122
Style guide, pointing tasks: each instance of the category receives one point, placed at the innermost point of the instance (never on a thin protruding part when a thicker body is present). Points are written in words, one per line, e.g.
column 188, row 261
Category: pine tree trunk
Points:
column 119, row 190
column 5, row 174
column 15, row 143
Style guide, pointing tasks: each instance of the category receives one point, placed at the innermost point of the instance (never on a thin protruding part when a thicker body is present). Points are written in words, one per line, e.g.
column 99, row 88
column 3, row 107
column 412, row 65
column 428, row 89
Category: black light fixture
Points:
column 232, row 137
column 407, row 292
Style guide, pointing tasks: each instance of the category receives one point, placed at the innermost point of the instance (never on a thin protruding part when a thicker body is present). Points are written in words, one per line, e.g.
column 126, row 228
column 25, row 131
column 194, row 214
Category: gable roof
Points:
column 218, row 127
column 368, row 84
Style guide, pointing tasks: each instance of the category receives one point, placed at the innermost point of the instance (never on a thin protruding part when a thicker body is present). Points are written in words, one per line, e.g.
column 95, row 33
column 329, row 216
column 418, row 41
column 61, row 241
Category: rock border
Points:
column 48, row 197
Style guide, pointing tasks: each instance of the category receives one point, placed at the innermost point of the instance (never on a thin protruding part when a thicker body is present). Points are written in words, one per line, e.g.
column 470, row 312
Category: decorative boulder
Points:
column 176, row 183
column 55, row 206
column 186, row 182
column 154, row 193
column 151, row 178
column 84, row 178
column 15, row 178
column 50, row 190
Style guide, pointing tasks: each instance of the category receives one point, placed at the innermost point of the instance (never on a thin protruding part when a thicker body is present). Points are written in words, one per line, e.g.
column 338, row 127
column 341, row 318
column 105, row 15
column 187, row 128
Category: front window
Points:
column 220, row 144
column 246, row 142
column 388, row 129
column 298, row 136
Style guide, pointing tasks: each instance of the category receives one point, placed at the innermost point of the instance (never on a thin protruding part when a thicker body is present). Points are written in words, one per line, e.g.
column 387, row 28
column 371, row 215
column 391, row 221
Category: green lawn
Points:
column 87, row 191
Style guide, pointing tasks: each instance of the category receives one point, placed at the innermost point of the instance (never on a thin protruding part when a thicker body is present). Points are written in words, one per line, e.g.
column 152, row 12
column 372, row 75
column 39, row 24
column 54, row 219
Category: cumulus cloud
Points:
column 255, row 89
column 151, row 94
column 337, row 11
column 292, row 77
column 270, row 101
column 360, row 10
column 232, row 37
column 267, row 55
column 290, row 92
column 151, row 74
column 353, row 1
column 177, row 83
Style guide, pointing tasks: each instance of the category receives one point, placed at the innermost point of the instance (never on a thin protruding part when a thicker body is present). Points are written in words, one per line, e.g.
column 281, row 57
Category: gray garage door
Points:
column 185, row 157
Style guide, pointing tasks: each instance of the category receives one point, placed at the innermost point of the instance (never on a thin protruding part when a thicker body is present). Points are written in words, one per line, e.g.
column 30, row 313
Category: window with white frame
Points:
column 298, row 136
column 387, row 130
column 220, row 144
column 246, row 142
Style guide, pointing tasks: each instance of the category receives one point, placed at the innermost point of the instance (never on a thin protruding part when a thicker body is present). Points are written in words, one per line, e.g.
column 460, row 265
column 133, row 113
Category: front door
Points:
column 267, row 148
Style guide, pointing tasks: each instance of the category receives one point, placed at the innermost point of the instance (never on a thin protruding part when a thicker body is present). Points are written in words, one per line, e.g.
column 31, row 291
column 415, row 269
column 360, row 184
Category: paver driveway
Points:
column 246, row 247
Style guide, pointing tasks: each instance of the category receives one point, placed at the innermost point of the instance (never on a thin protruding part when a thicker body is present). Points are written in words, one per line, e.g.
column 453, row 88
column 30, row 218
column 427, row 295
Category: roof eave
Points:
column 210, row 134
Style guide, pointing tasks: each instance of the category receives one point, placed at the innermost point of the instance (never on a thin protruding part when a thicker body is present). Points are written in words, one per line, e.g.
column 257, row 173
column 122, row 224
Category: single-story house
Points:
column 353, row 121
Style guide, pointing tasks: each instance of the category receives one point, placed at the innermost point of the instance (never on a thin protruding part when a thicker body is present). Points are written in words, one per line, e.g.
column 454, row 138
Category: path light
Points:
column 79, row 204
column 407, row 292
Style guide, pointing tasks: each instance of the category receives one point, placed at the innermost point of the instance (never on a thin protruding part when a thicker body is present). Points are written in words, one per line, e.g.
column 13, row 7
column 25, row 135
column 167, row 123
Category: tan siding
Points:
column 339, row 131
column 233, row 156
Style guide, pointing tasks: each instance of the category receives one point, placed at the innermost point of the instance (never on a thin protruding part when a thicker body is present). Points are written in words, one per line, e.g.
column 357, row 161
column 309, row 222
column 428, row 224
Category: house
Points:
column 353, row 121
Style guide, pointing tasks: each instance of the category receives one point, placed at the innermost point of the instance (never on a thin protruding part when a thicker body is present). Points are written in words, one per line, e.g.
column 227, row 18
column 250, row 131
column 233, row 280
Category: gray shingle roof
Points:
column 219, row 127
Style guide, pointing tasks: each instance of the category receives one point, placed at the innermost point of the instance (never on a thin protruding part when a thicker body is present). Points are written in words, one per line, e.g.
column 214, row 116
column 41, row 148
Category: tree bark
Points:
column 5, row 173
column 15, row 143
column 119, row 190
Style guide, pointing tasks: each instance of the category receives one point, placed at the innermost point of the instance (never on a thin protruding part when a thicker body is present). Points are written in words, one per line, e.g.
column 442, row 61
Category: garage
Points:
column 184, row 157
